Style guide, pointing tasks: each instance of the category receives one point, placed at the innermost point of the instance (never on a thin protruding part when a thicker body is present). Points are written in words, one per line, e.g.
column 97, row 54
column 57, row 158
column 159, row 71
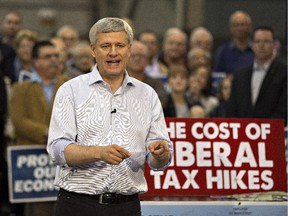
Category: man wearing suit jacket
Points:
column 31, row 101
column 260, row 90
column 31, row 107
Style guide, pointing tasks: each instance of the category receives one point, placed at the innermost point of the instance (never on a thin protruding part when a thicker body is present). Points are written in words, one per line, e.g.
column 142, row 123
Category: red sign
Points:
column 222, row 157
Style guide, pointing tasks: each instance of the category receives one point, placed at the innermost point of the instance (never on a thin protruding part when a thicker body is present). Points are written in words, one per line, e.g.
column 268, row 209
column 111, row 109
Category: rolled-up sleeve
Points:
column 158, row 130
column 63, row 128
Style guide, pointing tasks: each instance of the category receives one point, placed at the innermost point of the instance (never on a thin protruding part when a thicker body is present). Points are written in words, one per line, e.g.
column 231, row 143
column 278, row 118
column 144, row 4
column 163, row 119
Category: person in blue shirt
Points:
column 238, row 52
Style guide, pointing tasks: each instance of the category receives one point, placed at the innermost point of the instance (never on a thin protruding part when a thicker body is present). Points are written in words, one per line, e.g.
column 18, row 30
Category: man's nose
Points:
column 113, row 50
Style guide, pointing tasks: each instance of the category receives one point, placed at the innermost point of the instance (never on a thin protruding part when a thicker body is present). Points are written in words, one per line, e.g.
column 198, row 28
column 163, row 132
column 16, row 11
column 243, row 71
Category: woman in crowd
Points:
column 199, row 89
column 177, row 104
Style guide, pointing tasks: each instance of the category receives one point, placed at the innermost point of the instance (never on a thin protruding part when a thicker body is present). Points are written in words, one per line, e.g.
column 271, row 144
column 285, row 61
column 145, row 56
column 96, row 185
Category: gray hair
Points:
column 64, row 28
column 110, row 24
column 78, row 48
column 174, row 30
column 197, row 33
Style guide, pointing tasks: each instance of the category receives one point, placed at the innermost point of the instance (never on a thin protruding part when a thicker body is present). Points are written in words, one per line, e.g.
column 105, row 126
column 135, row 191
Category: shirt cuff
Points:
column 59, row 150
column 160, row 168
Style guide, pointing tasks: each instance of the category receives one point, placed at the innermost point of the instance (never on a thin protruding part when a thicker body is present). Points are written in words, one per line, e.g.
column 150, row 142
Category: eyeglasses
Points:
column 49, row 56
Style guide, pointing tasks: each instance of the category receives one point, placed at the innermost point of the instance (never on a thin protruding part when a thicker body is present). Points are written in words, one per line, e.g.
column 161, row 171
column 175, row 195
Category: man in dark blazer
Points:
column 260, row 90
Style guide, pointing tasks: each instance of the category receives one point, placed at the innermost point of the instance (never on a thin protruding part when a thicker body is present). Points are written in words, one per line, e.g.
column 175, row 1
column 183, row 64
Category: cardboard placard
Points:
column 222, row 157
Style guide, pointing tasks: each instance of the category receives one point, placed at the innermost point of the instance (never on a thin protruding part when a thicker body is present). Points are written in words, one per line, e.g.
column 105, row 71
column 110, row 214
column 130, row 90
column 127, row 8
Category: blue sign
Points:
column 31, row 174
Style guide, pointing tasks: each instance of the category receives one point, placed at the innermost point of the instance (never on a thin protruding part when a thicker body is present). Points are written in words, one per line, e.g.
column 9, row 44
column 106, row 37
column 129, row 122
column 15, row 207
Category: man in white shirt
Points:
column 104, row 126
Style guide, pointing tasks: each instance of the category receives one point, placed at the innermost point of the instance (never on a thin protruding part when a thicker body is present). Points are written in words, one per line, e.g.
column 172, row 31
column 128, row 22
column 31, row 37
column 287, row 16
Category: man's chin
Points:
column 115, row 69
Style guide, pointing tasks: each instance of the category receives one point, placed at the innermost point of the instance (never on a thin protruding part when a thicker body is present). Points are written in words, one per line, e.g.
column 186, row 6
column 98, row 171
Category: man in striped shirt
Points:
column 105, row 125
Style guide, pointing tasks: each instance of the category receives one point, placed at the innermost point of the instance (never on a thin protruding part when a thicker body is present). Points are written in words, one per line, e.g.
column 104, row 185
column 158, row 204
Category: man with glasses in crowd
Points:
column 31, row 106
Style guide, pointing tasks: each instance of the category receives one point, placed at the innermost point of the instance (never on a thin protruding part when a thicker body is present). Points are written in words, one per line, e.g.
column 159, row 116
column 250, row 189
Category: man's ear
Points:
column 92, row 50
column 129, row 48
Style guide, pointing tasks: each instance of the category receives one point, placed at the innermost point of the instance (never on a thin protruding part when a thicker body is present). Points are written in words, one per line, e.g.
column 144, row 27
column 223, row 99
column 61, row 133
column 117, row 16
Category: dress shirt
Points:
column 259, row 72
column 82, row 114
column 24, row 75
column 153, row 70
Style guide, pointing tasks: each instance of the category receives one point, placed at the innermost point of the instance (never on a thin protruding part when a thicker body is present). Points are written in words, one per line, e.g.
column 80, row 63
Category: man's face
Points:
column 138, row 59
column 263, row 45
column 150, row 40
column 199, row 58
column 240, row 26
column 202, row 41
column 47, row 63
column 69, row 37
column 112, row 52
column 174, row 46
column 83, row 59
column 11, row 24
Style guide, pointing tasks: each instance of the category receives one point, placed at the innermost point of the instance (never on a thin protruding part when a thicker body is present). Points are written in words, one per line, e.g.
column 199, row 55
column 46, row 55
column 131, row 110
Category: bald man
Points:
column 237, row 53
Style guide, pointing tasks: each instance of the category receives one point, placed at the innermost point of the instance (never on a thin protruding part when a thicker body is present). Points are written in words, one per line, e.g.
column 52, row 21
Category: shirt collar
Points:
column 37, row 79
column 265, row 66
column 232, row 45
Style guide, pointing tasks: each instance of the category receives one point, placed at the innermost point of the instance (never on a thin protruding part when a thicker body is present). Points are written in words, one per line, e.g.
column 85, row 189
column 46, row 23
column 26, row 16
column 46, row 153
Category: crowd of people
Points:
column 180, row 68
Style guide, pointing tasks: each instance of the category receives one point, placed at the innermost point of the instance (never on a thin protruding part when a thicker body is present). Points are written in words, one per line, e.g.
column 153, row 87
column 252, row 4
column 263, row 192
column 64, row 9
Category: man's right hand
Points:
column 113, row 154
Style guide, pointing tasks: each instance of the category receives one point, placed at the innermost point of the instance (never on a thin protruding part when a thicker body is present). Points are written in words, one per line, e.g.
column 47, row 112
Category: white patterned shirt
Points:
column 82, row 115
